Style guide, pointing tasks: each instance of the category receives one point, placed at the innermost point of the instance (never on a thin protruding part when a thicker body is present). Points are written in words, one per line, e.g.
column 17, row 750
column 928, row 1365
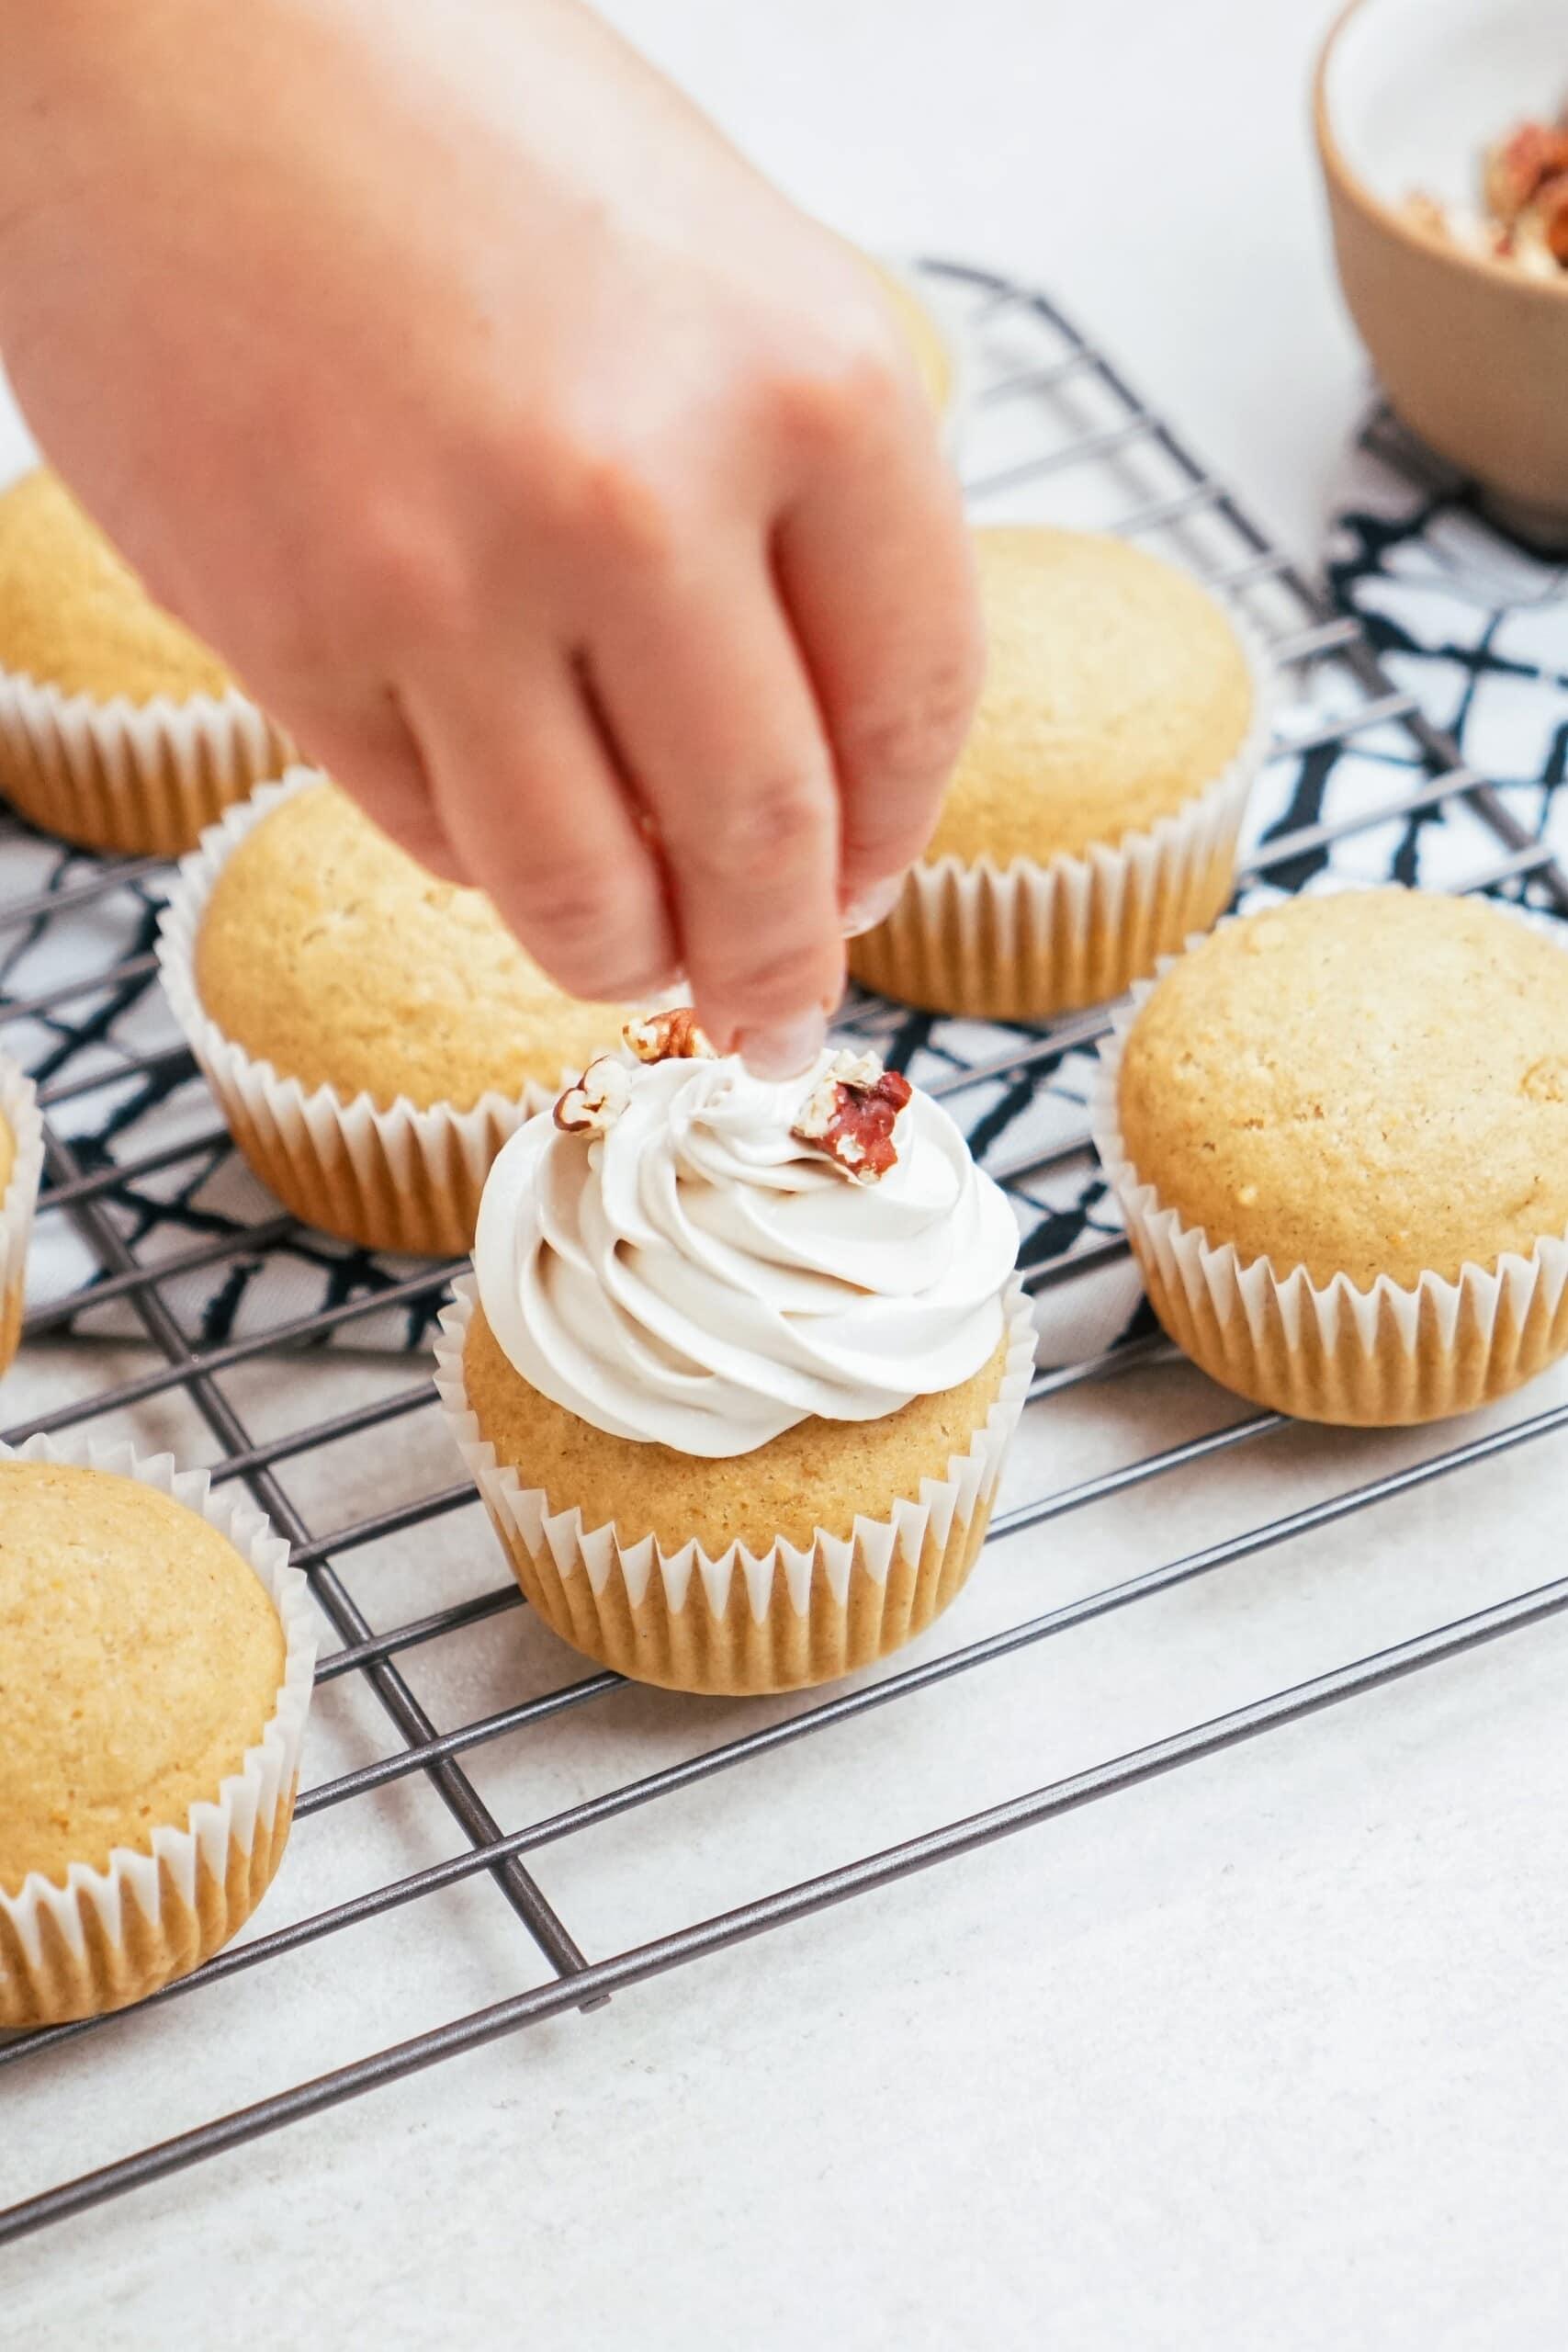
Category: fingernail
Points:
column 786, row 1050
column 871, row 906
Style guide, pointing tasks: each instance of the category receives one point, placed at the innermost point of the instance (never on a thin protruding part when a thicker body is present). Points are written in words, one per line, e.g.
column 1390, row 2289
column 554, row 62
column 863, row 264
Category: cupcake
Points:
column 118, row 728
column 739, row 1363
column 21, row 1165
column 372, row 1034
column 156, row 1656
column 1339, row 1132
column 1090, row 825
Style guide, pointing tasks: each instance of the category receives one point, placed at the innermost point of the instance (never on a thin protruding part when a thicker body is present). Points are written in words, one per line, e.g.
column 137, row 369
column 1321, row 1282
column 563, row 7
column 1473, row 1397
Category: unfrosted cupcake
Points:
column 372, row 1034
column 118, row 728
column 21, row 1165
column 1339, row 1135
column 155, row 1666
column 1090, row 825
column 740, row 1363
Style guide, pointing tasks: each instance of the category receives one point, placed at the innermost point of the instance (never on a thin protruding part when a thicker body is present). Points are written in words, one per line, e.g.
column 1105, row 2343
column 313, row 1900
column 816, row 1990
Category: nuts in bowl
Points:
column 1440, row 143
column 1523, row 219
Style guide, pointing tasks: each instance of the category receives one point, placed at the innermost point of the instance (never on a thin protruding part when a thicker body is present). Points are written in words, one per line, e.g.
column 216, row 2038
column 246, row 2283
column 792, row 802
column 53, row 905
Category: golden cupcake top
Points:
column 1116, row 690
column 326, row 950
column 1374, row 1083
column 73, row 615
column 141, row 1655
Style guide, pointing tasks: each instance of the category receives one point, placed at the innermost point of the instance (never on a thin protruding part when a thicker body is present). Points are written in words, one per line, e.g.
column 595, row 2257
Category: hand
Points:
column 560, row 487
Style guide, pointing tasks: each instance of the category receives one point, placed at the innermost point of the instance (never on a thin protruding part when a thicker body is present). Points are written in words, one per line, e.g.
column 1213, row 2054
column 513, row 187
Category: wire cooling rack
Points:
column 1364, row 787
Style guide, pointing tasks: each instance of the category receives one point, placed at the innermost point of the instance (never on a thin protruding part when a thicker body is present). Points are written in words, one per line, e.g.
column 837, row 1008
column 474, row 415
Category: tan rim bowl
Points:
column 1473, row 353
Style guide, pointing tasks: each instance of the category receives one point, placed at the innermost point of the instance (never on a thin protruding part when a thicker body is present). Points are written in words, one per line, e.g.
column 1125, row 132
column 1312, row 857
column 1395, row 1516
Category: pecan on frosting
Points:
column 592, row 1106
column 850, row 1114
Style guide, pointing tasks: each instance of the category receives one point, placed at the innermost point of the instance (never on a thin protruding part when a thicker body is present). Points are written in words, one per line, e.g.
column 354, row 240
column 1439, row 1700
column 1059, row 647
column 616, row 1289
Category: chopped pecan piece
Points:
column 597, row 1100
column 1423, row 211
column 850, row 1114
column 1523, row 217
column 1518, row 167
column 671, row 1036
column 1550, row 210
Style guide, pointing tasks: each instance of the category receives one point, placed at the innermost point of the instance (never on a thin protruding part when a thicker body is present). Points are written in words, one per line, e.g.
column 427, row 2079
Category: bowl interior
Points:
column 1416, row 89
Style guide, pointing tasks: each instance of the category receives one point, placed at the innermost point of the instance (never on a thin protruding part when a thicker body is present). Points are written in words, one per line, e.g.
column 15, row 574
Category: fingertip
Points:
column 873, row 905
column 783, row 1049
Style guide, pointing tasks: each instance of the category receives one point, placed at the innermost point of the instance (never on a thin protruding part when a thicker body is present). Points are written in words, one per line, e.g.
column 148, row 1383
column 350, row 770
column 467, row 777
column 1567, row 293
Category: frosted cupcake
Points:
column 1091, row 826
column 118, row 728
column 372, row 1034
column 21, row 1165
column 156, row 1655
column 739, row 1364
column 1339, row 1132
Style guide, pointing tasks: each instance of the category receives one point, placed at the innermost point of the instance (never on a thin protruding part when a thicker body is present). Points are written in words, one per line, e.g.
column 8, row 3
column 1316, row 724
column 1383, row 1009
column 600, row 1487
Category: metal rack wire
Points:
column 1055, row 431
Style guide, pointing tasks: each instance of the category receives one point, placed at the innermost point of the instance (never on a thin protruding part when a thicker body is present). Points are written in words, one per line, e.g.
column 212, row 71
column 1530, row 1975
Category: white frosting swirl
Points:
column 697, row 1278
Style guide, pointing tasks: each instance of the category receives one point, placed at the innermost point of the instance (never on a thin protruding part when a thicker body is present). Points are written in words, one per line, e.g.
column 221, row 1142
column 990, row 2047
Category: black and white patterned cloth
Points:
column 1473, row 625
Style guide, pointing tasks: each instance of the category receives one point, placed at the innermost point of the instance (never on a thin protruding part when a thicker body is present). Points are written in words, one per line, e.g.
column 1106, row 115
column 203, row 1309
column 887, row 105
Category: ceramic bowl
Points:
column 1473, row 353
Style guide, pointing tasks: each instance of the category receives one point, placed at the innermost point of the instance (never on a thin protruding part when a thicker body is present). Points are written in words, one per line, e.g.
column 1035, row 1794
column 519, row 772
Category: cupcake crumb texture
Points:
column 1373, row 1083
column 1116, row 691
column 140, row 1657
column 817, row 1475
column 73, row 615
column 328, row 952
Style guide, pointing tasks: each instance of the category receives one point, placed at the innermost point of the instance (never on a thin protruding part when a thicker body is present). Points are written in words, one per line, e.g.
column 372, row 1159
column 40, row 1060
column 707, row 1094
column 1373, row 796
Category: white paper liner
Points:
column 1032, row 939
column 141, row 777
column 1391, row 1355
column 18, row 1108
column 808, row 1613
column 401, row 1178
column 110, row 1936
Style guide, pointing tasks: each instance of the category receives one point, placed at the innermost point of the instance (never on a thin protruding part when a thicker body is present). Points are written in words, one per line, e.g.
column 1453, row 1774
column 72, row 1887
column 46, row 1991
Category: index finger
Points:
column 876, row 568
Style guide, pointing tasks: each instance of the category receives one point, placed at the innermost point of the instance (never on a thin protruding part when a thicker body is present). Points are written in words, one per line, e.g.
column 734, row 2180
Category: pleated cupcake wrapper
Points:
column 1028, row 940
column 18, row 1108
column 142, row 777
column 1391, row 1355
column 401, row 1178
column 743, row 1622
column 108, row 1937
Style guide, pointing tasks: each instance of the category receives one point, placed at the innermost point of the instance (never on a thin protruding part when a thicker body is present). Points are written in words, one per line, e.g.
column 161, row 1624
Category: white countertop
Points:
column 1269, row 2052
